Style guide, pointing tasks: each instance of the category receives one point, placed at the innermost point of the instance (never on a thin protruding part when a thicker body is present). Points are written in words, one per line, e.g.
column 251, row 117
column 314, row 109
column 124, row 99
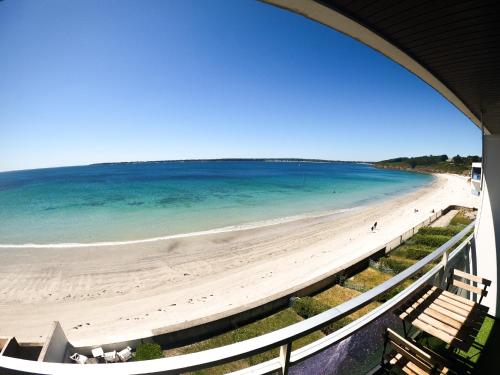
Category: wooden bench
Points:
column 411, row 358
column 447, row 316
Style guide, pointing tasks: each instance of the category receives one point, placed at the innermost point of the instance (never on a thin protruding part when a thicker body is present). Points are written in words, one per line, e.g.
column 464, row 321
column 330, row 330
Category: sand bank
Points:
column 110, row 293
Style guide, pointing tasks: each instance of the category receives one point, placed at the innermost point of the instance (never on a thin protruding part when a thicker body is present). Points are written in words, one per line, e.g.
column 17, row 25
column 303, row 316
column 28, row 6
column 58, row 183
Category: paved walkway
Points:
column 444, row 220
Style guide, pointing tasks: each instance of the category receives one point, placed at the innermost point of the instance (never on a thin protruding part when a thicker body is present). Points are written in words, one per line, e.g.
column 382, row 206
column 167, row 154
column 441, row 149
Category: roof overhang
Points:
column 362, row 27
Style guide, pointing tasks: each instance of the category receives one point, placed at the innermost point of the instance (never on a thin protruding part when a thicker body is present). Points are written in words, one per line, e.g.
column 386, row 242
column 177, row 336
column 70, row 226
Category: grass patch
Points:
column 271, row 323
column 474, row 353
column 147, row 351
column 395, row 263
column 412, row 251
column 307, row 307
column 394, row 291
column 428, row 240
column 370, row 278
column 367, row 279
column 338, row 294
column 460, row 219
column 449, row 231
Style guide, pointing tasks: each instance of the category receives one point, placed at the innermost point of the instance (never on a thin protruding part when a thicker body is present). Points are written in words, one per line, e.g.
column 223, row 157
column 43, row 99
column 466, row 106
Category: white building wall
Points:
column 488, row 224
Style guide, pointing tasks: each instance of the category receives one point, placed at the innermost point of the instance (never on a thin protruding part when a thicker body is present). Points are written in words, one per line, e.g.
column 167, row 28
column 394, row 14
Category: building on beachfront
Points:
column 453, row 47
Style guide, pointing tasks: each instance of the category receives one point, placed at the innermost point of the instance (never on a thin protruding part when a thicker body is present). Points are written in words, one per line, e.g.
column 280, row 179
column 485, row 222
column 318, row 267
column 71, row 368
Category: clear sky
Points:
column 87, row 81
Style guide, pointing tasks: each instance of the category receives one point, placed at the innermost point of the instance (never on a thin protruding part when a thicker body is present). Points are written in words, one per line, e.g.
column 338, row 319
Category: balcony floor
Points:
column 482, row 357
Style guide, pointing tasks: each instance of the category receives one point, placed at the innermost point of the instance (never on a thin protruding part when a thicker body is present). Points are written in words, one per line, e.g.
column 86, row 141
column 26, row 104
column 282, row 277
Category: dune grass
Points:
column 412, row 251
column 449, row 231
column 396, row 263
column 366, row 279
column 460, row 219
column 432, row 240
column 338, row 294
column 276, row 321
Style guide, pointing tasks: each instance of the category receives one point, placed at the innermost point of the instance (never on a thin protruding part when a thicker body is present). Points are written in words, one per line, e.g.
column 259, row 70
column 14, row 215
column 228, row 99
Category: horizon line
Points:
column 310, row 160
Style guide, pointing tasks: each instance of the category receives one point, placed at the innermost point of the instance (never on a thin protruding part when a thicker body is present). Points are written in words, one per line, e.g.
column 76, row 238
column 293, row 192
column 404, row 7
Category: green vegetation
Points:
column 412, row 251
column 482, row 357
column 450, row 230
column 461, row 219
column 367, row 279
column 338, row 294
column 431, row 164
column 432, row 240
column 274, row 322
column 146, row 351
column 395, row 263
column 307, row 307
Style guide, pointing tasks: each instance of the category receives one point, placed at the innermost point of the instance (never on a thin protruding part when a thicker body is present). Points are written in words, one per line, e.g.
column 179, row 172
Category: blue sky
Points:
column 87, row 81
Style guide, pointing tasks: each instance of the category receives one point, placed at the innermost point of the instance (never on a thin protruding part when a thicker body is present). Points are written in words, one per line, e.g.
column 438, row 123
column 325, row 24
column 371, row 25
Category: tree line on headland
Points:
column 432, row 163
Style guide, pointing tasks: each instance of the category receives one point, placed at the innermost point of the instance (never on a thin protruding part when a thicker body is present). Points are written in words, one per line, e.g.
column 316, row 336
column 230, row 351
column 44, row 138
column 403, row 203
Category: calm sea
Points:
column 119, row 202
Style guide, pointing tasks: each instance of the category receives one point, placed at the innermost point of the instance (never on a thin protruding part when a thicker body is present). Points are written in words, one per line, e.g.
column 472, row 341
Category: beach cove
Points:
column 111, row 293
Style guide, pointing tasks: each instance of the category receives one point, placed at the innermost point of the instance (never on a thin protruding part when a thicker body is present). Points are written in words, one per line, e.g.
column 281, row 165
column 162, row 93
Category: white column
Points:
column 487, row 229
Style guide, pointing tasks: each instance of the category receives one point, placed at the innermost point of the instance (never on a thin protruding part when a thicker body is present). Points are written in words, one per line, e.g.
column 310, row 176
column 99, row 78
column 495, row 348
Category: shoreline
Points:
column 137, row 290
column 223, row 229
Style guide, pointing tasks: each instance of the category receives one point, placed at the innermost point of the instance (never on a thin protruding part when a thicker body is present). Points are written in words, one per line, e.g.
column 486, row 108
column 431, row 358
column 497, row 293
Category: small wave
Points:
column 232, row 228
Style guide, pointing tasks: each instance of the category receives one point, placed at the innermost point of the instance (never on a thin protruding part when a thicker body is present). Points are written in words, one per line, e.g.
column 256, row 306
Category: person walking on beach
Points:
column 375, row 225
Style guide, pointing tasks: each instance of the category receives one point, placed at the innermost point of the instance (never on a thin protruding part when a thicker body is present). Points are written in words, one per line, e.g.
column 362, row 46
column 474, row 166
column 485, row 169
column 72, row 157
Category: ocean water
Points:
column 121, row 202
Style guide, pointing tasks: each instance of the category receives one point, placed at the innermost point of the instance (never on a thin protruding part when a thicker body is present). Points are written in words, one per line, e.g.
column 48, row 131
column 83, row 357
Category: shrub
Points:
column 412, row 251
column 396, row 264
column 391, row 293
column 367, row 279
column 307, row 307
column 147, row 351
column 442, row 231
column 460, row 219
column 336, row 325
column 429, row 240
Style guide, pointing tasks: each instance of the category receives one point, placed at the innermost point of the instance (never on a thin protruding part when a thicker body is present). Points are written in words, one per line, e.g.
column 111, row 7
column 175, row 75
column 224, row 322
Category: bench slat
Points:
column 458, row 298
column 451, row 307
column 450, row 314
column 439, row 325
column 443, row 318
column 477, row 279
column 470, row 288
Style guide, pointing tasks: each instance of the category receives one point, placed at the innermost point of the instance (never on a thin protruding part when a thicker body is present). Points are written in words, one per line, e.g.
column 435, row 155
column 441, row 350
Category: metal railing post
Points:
column 285, row 351
column 444, row 263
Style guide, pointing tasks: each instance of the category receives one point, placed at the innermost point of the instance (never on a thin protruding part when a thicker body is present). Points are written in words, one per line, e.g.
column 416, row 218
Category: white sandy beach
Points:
column 110, row 293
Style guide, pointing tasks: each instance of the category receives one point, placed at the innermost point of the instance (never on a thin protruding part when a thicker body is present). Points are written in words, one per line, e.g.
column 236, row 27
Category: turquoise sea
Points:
column 130, row 201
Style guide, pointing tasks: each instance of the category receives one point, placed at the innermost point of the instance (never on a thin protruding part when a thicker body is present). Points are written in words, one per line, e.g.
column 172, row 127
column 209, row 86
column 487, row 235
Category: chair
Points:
column 470, row 287
column 79, row 358
column 111, row 357
column 125, row 354
column 410, row 357
column 98, row 352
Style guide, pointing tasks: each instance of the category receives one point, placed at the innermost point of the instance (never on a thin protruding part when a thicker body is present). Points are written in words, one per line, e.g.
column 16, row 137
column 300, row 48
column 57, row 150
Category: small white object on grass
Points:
column 79, row 358
column 125, row 354
column 98, row 352
column 110, row 357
